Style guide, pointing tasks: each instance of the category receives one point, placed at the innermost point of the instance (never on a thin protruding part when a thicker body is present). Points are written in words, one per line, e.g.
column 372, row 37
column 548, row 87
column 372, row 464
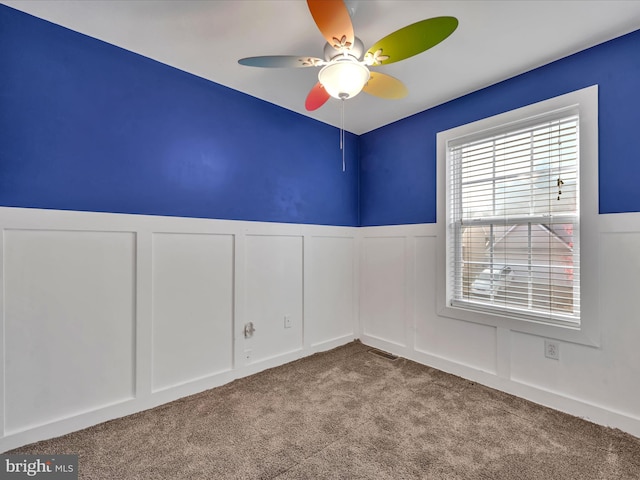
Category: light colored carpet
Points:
column 349, row 414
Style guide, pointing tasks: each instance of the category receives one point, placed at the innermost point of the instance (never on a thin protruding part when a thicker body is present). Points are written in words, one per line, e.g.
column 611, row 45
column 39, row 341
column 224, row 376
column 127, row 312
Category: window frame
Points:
column 585, row 102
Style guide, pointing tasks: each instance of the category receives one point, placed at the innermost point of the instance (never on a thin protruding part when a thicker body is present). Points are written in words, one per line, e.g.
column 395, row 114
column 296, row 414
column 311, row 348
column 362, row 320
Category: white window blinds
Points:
column 514, row 220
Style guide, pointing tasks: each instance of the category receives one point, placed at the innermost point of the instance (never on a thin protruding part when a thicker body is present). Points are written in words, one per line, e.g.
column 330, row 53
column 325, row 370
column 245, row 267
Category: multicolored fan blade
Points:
column 385, row 86
column 411, row 40
column 317, row 97
column 333, row 20
column 281, row 61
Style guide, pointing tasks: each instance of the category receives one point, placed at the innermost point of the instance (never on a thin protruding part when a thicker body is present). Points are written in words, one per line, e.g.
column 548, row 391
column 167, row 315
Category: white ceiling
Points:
column 495, row 40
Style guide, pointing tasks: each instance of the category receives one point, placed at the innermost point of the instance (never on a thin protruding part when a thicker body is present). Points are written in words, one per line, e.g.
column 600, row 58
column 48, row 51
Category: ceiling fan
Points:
column 345, row 68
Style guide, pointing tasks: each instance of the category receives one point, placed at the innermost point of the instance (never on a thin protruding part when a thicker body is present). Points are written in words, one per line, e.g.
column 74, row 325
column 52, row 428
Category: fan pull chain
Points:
column 342, row 136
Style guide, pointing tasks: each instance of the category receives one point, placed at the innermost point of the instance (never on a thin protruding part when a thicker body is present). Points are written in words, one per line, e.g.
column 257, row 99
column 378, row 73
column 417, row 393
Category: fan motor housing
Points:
column 356, row 51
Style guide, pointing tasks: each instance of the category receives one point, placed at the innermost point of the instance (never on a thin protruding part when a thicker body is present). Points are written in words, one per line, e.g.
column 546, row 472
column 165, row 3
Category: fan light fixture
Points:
column 345, row 67
column 343, row 78
column 345, row 71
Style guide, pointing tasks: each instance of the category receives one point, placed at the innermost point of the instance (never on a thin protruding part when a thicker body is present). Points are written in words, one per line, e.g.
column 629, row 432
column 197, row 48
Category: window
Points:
column 513, row 219
column 512, row 215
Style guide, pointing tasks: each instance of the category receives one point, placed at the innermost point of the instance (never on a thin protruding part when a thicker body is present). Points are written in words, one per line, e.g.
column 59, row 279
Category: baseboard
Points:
column 573, row 406
column 333, row 343
column 160, row 397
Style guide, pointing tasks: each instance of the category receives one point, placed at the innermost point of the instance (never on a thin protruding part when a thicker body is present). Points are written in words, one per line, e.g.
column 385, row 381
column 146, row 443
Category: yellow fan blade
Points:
column 385, row 86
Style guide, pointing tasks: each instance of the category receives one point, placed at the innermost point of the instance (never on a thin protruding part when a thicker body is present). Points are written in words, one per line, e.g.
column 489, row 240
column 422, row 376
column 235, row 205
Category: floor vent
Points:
column 383, row 354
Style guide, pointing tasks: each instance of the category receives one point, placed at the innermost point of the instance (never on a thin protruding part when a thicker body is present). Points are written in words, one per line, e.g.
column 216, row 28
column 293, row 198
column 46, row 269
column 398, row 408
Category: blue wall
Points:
column 398, row 161
column 88, row 126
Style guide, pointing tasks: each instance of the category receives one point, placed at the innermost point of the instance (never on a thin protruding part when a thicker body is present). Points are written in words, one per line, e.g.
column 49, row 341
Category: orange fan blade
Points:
column 385, row 86
column 333, row 20
column 317, row 97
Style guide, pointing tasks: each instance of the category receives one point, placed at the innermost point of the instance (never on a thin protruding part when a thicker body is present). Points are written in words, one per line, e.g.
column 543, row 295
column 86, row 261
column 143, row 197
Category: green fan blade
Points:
column 411, row 40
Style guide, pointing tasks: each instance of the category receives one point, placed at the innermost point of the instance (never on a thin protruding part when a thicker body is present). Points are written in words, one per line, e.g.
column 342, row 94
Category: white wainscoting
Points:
column 330, row 289
column 384, row 273
column 192, row 303
column 69, row 323
column 105, row 314
column 398, row 313
column 273, row 292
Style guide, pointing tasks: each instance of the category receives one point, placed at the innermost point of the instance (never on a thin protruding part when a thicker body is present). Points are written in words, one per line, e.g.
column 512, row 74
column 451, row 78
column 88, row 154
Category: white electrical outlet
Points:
column 287, row 321
column 552, row 349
